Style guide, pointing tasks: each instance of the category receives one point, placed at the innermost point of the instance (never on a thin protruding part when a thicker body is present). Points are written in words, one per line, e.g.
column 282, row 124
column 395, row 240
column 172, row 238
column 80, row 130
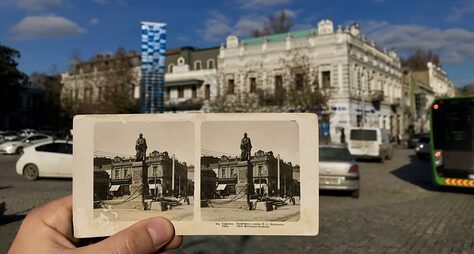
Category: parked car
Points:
column 423, row 148
column 338, row 170
column 28, row 132
column 18, row 145
column 370, row 143
column 52, row 158
column 9, row 135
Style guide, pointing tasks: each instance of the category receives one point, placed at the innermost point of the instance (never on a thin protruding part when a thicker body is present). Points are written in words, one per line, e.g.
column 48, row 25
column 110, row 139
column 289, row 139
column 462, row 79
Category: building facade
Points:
column 420, row 90
column 362, row 81
column 265, row 175
column 93, row 82
column 160, row 172
column 191, row 78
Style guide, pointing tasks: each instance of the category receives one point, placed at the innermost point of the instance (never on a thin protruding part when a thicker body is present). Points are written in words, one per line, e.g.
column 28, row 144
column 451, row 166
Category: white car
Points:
column 17, row 146
column 28, row 132
column 370, row 143
column 52, row 158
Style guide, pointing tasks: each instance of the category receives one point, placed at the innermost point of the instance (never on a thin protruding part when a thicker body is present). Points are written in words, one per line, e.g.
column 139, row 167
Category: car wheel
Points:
column 31, row 172
column 19, row 150
column 355, row 194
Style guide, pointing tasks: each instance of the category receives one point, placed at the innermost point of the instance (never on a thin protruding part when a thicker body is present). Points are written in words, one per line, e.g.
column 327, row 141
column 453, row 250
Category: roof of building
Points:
column 281, row 37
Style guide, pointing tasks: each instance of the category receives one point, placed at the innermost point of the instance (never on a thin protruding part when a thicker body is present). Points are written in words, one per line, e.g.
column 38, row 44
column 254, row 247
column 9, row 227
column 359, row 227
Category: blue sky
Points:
column 47, row 32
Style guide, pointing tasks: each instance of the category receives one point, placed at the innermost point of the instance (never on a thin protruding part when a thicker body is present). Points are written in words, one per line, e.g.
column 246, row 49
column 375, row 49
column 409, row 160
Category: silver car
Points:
column 338, row 170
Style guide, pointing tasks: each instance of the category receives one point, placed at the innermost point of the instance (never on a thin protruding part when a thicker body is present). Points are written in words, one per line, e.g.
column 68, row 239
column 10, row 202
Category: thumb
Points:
column 144, row 237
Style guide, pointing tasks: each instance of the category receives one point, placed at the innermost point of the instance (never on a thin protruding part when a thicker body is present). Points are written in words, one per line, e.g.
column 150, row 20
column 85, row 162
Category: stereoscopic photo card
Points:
column 209, row 174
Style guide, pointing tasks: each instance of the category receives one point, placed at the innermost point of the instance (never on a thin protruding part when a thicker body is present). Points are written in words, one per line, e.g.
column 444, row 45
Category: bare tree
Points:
column 418, row 61
column 107, row 85
column 281, row 22
column 296, row 90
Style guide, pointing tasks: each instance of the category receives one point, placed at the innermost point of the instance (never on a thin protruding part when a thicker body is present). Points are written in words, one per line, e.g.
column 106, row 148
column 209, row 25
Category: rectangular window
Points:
column 253, row 85
column 125, row 172
column 194, row 92
column 231, row 172
column 207, row 92
column 230, row 86
column 326, row 79
column 223, row 173
column 278, row 83
column 299, row 81
column 117, row 175
column 180, row 92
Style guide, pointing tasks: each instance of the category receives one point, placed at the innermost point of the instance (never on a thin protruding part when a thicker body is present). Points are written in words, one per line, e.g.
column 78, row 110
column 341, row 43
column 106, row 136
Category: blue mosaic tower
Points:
column 153, row 67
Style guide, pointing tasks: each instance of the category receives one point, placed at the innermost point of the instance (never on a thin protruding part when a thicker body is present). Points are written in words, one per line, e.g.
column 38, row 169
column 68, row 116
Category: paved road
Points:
column 22, row 195
column 398, row 212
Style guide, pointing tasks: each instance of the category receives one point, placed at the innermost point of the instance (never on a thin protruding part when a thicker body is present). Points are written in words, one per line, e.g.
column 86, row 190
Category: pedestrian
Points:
column 343, row 136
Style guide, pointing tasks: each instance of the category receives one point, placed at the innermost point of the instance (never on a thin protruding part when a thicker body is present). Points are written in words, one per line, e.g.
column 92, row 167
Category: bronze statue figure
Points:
column 245, row 148
column 140, row 148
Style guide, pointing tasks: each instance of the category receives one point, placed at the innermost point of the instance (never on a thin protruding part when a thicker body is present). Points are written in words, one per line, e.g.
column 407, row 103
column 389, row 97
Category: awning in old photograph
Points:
column 152, row 186
column 114, row 188
column 221, row 187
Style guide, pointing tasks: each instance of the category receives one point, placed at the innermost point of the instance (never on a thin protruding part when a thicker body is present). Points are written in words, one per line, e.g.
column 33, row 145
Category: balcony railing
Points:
column 376, row 95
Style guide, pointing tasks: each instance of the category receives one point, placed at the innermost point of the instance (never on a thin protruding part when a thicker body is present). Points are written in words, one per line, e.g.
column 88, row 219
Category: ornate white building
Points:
column 363, row 81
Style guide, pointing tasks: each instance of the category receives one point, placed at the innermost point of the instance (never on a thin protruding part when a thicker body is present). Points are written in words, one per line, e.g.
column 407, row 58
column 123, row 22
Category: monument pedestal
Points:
column 244, row 177
column 139, row 186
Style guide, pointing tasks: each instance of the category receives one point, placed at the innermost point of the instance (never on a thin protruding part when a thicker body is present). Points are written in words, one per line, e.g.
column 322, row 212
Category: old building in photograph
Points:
column 161, row 169
column 265, row 172
column 362, row 81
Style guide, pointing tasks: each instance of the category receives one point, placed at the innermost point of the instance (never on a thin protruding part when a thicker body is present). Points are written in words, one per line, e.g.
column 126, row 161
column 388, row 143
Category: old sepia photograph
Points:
column 143, row 169
column 250, row 171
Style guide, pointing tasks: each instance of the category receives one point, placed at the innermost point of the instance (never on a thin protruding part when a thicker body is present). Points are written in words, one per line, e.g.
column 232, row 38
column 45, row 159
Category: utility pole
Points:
column 172, row 176
column 278, row 175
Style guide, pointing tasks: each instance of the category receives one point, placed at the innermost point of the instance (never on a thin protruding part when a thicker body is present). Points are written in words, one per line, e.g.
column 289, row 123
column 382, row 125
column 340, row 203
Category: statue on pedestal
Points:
column 140, row 148
column 245, row 148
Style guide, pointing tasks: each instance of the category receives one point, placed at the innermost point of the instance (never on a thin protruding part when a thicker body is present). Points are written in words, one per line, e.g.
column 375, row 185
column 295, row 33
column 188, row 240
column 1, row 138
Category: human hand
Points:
column 48, row 229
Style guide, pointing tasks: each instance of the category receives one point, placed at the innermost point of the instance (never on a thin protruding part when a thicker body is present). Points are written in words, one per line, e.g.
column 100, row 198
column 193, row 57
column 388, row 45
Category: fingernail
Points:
column 160, row 230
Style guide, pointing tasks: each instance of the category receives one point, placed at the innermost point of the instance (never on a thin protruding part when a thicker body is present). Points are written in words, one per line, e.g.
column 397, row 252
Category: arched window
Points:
column 197, row 65
column 170, row 68
column 211, row 64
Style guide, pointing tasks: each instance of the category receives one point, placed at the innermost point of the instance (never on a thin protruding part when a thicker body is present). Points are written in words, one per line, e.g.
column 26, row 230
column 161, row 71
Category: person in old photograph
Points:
column 245, row 147
column 140, row 147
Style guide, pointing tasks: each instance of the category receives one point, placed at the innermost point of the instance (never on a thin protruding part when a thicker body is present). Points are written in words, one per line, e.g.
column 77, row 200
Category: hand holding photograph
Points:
column 209, row 174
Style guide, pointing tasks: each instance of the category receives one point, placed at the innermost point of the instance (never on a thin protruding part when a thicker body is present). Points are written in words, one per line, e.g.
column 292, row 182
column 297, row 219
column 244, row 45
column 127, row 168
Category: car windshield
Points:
column 425, row 140
column 364, row 135
column 334, row 154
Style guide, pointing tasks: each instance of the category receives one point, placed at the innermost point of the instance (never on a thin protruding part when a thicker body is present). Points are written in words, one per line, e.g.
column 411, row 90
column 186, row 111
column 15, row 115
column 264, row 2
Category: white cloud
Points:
column 458, row 12
column 94, row 21
column 453, row 44
column 38, row 5
column 49, row 26
column 254, row 4
column 217, row 27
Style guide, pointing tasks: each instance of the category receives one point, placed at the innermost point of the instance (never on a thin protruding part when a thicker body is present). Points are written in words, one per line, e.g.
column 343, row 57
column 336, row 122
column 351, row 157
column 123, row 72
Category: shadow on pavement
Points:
column 417, row 172
column 5, row 187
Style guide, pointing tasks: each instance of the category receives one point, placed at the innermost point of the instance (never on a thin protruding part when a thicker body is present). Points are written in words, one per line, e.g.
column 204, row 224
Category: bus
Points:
column 452, row 141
